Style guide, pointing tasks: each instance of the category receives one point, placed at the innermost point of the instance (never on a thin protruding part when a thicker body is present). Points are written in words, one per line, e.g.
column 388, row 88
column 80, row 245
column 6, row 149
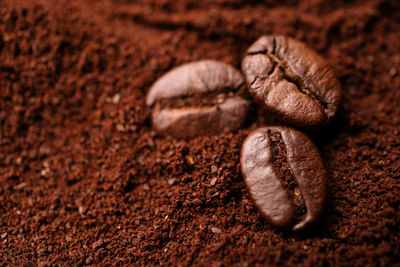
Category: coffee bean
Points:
column 285, row 176
column 291, row 81
column 199, row 98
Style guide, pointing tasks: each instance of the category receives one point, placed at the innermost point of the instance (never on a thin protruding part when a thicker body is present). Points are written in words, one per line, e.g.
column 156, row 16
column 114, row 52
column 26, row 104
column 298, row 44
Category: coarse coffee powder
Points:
column 84, row 180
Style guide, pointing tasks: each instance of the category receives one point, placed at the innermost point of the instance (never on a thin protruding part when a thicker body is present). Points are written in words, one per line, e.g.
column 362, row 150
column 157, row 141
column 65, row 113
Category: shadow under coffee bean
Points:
column 291, row 81
column 199, row 98
column 289, row 191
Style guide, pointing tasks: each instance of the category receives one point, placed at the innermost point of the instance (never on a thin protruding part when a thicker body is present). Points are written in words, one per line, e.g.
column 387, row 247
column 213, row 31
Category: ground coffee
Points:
column 84, row 179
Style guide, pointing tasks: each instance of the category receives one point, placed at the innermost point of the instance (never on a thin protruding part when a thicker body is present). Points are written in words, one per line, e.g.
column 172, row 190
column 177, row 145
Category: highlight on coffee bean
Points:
column 199, row 98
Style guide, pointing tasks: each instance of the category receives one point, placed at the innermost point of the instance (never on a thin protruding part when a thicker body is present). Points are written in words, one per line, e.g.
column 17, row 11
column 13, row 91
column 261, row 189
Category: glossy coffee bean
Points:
column 199, row 98
column 285, row 176
column 291, row 81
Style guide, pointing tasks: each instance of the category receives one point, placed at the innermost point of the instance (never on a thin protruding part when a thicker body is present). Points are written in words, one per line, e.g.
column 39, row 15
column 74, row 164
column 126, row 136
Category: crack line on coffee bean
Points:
column 282, row 167
column 273, row 45
column 204, row 83
column 256, row 79
column 263, row 52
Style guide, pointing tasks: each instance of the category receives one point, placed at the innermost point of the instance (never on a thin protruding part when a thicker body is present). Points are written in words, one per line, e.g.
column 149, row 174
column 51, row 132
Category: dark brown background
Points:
column 84, row 179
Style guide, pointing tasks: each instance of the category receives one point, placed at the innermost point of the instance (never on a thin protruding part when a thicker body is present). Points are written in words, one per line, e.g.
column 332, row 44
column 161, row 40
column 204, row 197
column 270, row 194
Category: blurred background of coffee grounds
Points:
column 85, row 180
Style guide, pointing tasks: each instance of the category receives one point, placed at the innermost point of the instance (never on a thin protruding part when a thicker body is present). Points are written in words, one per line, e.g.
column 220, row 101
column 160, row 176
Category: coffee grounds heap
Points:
column 85, row 180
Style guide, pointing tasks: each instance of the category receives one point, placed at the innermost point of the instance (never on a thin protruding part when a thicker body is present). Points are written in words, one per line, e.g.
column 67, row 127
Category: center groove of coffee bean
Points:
column 206, row 99
column 279, row 158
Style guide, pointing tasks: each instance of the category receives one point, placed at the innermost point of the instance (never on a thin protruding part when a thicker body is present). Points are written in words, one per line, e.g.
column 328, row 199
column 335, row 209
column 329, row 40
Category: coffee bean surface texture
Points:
column 285, row 176
column 199, row 98
column 291, row 81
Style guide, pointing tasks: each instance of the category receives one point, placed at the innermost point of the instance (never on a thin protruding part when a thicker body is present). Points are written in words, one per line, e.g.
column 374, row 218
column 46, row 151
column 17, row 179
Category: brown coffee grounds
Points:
column 85, row 181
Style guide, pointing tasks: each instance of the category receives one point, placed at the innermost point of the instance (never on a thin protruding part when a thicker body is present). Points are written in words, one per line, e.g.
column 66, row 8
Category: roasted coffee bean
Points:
column 285, row 176
column 291, row 81
column 199, row 98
